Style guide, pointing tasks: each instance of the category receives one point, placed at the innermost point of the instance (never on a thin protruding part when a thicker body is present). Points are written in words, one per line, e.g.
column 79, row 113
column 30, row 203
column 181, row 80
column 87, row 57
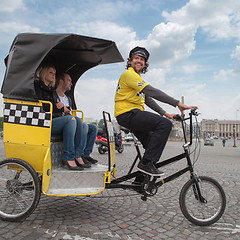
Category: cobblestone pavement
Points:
column 121, row 214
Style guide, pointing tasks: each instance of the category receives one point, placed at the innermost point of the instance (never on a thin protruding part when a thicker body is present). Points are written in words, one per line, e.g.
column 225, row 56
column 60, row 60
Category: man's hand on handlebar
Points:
column 183, row 107
column 170, row 116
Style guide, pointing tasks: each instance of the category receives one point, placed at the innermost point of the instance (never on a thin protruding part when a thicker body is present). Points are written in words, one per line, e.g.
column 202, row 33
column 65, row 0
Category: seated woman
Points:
column 64, row 123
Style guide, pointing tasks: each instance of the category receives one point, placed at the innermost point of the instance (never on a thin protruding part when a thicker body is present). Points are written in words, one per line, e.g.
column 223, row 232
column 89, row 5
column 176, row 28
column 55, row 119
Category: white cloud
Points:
column 191, row 68
column 95, row 95
column 10, row 30
column 236, row 54
column 10, row 5
column 223, row 75
column 170, row 43
column 16, row 27
column 220, row 19
column 155, row 77
column 123, row 35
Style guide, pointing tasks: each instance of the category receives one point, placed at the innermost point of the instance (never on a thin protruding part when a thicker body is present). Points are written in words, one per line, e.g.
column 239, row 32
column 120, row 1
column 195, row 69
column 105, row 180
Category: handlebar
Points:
column 181, row 119
column 194, row 112
column 178, row 118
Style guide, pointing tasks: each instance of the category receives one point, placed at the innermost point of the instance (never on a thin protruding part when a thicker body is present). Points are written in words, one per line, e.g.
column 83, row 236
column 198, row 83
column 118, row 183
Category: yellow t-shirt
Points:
column 128, row 94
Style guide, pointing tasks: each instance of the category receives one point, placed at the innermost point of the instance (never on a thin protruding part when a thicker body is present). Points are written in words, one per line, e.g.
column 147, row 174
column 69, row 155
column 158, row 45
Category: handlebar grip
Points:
column 177, row 117
column 194, row 111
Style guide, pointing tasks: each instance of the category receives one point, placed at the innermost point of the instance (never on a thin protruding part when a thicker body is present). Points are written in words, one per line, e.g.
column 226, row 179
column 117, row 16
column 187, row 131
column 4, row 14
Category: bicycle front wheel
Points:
column 206, row 209
column 19, row 190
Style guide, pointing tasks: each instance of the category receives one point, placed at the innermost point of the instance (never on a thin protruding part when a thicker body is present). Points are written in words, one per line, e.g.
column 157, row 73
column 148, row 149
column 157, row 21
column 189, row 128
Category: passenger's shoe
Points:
column 77, row 168
column 84, row 165
column 86, row 161
column 90, row 159
column 150, row 169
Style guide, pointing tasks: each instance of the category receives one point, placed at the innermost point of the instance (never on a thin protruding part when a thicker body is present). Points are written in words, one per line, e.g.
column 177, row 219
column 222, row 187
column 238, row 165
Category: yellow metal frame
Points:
column 111, row 152
column 32, row 144
column 74, row 113
column 107, row 179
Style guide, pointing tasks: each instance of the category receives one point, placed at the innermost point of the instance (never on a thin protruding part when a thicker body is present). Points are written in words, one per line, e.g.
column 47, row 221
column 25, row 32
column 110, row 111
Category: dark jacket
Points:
column 59, row 112
column 49, row 94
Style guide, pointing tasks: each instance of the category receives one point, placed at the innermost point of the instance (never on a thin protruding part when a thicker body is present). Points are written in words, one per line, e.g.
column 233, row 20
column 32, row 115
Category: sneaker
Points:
column 150, row 169
column 90, row 159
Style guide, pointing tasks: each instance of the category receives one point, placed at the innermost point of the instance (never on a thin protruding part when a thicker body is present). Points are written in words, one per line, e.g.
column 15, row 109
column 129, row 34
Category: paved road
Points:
column 119, row 214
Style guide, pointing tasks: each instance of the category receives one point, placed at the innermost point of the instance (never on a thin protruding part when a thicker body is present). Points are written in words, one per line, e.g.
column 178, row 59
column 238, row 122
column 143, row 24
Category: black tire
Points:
column 120, row 149
column 198, row 212
column 20, row 190
column 101, row 150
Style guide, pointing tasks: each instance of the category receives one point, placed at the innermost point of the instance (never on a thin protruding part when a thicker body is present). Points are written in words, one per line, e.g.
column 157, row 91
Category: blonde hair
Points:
column 41, row 74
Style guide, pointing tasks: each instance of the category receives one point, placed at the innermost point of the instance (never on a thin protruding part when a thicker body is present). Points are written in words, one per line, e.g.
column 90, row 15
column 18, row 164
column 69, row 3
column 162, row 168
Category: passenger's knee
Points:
column 85, row 126
column 93, row 128
column 79, row 120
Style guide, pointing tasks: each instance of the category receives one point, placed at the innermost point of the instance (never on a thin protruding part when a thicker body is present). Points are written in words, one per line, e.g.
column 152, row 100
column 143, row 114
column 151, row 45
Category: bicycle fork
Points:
column 196, row 188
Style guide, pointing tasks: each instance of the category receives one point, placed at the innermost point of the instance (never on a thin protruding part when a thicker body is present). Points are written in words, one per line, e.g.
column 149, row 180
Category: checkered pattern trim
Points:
column 26, row 115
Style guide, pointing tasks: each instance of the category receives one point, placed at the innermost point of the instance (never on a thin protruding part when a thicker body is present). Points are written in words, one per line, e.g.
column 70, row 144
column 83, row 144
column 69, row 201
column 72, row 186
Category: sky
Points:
column 194, row 47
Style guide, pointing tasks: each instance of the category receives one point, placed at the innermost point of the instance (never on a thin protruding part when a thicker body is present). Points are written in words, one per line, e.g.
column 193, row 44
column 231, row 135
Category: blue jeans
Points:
column 73, row 135
column 88, row 138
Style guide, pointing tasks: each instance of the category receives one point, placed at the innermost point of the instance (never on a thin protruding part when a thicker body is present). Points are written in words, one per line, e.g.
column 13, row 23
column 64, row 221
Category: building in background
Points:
column 220, row 128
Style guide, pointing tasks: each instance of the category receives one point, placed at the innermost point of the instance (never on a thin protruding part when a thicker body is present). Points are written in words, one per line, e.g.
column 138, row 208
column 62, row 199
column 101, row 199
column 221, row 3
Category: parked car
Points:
column 208, row 142
column 1, row 134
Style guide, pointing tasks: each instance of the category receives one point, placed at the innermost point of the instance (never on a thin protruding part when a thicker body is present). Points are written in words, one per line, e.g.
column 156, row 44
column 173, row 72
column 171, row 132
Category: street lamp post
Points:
column 234, row 140
column 234, row 129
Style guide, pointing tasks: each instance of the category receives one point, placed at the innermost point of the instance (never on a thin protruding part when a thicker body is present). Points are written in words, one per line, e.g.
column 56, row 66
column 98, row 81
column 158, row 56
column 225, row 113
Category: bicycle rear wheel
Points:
column 19, row 190
column 205, row 211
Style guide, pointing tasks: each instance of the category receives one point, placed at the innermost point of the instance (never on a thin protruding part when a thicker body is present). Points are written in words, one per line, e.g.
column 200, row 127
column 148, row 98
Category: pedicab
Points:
column 33, row 163
column 33, row 157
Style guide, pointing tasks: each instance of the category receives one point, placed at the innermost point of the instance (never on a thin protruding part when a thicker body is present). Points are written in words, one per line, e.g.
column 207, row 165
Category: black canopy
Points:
column 70, row 53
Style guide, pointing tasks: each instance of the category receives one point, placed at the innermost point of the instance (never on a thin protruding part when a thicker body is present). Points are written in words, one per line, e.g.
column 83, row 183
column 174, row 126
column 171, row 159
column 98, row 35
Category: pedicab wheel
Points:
column 120, row 149
column 206, row 210
column 19, row 190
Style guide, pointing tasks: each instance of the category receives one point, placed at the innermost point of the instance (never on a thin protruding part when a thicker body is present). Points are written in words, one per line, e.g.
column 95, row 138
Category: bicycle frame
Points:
column 118, row 182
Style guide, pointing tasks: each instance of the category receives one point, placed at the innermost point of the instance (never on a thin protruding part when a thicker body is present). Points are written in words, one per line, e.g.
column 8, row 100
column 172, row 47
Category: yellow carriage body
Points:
column 27, row 132
column 27, row 136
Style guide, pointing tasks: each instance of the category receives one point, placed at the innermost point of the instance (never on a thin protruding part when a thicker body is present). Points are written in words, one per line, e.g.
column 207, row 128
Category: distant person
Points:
column 151, row 129
column 223, row 142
